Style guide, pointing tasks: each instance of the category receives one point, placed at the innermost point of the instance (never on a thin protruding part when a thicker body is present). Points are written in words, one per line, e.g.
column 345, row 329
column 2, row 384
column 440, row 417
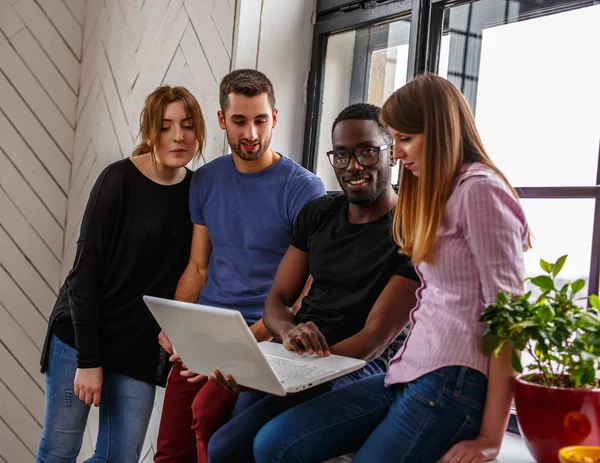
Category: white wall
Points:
column 73, row 77
column 275, row 37
column 40, row 55
column 130, row 48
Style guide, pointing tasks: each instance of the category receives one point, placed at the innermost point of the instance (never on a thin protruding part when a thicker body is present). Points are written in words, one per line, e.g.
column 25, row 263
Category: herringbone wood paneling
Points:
column 40, row 60
column 130, row 48
column 73, row 78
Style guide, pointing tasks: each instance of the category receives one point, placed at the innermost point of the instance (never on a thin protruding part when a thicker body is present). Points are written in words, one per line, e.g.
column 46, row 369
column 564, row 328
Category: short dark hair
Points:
column 247, row 82
column 366, row 112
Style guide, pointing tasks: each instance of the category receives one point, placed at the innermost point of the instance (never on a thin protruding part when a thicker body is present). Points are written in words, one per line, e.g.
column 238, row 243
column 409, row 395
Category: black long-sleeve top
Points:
column 135, row 239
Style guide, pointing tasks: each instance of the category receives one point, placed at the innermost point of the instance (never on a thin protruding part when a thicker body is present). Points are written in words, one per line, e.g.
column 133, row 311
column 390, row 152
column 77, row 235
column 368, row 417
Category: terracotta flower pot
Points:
column 552, row 417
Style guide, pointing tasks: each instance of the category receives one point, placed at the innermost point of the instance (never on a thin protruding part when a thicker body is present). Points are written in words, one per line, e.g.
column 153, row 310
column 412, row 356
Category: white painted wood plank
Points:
column 19, row 420
column 85, row 128
column 32, row 170
column 155, row 12
column 10, row 23
column 29, row 242
column 223, row 16
column 245, row 41
column 41, row 27
column 77, row 8
column 117, row 114
column 23, row 349
column 93, row 10
column 178, row 72
column 66, row 24
column 206, row 90
column 78, row 182
column 11, row 449
column 54, row 83
column 154, row 69
column 104, row 136
column 74, row 213
column 23, row 196
column 89, row 75
column 42, row 106
column 32, row 130
column 25, row 275
column 22, row 310
column 207, row 33
column 21, row 385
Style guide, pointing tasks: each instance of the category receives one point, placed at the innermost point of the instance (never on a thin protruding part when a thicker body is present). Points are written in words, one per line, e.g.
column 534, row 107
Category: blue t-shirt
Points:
column 249, row 218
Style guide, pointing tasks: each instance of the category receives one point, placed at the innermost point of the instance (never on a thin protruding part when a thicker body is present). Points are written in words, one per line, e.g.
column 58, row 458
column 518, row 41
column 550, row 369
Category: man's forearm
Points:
column 277, row 317
column 360, row 346
column 190, row 284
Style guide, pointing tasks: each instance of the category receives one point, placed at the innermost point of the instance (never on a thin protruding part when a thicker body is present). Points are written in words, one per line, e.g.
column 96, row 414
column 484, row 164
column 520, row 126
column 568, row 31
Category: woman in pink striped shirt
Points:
column 461, row 223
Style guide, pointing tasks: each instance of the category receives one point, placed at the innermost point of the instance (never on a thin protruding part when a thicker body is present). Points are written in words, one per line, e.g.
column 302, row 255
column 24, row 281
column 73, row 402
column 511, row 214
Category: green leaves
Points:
column 562, row 337
column 577, row 286
column 558, row 265
column 489, row 343
column 543, row 282
column 546, row 267
column 516, row 362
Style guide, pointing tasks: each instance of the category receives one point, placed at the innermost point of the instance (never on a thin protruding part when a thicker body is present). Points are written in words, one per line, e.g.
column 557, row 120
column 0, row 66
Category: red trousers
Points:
column 192, row 413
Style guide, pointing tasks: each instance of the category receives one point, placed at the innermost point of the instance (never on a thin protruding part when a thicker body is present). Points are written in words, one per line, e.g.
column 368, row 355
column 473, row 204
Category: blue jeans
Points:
column 125, row 409
column 412, row 422
column 234, row 441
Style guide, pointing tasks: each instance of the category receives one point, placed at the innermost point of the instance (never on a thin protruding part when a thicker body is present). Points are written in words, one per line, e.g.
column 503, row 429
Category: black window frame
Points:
column 426, row 31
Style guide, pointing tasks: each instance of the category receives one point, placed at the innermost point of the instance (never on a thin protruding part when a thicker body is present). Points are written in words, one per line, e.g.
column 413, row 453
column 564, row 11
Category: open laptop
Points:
column 209, row 338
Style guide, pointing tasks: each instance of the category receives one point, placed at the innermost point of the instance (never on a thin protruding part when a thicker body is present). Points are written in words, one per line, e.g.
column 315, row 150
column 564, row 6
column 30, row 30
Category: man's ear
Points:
column 221, row 118
column 275, row 116
column 393, row 161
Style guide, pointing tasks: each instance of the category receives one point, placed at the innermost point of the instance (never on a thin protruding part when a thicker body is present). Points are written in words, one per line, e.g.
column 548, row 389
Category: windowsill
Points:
column 513, row 450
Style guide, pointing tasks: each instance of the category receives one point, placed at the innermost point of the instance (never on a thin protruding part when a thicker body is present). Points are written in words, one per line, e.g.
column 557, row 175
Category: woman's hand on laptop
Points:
column 191, row 376
column 165, row 343
column 227, row 382
column 305, row 337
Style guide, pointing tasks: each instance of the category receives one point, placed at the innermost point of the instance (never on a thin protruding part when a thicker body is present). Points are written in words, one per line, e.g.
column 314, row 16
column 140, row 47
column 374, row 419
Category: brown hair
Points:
column 152, row 114
column 432, row 106
column 247, row 82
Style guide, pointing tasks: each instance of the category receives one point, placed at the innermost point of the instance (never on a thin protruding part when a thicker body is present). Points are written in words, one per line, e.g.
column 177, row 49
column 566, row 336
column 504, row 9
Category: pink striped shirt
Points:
column 479, row 252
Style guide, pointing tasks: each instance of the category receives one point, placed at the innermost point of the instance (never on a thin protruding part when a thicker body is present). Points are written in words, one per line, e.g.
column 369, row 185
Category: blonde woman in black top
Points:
column 101, row 347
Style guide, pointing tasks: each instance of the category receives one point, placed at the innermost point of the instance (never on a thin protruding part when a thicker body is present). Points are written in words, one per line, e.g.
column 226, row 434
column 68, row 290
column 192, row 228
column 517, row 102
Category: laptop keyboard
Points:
column 291, row 372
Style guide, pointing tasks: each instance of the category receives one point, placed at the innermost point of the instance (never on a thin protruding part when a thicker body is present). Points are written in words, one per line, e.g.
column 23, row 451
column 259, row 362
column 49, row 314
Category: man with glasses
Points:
column 362, row 289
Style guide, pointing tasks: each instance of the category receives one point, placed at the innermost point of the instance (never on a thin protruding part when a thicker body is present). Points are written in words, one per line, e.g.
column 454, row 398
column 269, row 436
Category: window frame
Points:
column 426, row 31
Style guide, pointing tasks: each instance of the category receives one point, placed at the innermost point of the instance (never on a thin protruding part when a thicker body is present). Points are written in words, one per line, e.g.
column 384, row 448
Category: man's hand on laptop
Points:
column 305, row 337
column 165, row 343
column 227, row 382
column 191, row 376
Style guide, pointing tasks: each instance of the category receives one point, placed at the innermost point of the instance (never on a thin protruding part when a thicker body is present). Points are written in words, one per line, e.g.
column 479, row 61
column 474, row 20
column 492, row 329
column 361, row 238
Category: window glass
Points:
column 533, row 84
column 364, row 65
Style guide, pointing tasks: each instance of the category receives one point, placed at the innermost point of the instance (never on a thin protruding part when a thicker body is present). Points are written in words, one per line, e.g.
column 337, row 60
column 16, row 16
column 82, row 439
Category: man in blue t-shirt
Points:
column 243, row 206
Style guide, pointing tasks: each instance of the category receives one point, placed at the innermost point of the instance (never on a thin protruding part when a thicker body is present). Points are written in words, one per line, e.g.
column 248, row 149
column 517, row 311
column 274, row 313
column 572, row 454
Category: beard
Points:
column 236, row 148
column 383, row 179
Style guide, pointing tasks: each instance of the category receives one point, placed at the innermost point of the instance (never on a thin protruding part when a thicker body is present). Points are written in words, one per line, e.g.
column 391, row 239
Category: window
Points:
column 537, row 118
column 365, row 65
column 529, row 69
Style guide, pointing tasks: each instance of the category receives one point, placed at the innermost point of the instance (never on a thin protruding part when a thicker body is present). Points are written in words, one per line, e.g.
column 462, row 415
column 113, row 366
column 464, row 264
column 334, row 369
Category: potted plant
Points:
column 557, row 397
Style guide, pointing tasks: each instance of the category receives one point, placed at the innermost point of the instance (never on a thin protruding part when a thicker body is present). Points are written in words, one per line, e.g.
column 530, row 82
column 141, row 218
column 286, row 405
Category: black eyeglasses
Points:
column 366, row 156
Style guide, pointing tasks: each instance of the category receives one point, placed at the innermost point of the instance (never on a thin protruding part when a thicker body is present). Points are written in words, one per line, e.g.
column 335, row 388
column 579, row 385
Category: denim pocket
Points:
column 428, row 389
column 468, row 430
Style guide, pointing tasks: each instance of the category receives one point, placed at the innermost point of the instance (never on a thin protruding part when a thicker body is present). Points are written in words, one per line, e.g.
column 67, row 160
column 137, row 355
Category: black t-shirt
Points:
column 350, row 265
column 135, row 239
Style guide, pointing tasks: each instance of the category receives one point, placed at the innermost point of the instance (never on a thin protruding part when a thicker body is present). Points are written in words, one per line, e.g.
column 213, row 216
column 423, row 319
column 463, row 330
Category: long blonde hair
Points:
column 152, row 115
column 432, row 106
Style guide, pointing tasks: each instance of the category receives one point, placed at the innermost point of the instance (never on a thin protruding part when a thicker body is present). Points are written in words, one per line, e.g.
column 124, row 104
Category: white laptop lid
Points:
column 209, row 338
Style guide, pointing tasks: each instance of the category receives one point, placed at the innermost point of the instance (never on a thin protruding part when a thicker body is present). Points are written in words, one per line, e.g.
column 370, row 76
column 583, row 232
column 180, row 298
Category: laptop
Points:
column 209, row 338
